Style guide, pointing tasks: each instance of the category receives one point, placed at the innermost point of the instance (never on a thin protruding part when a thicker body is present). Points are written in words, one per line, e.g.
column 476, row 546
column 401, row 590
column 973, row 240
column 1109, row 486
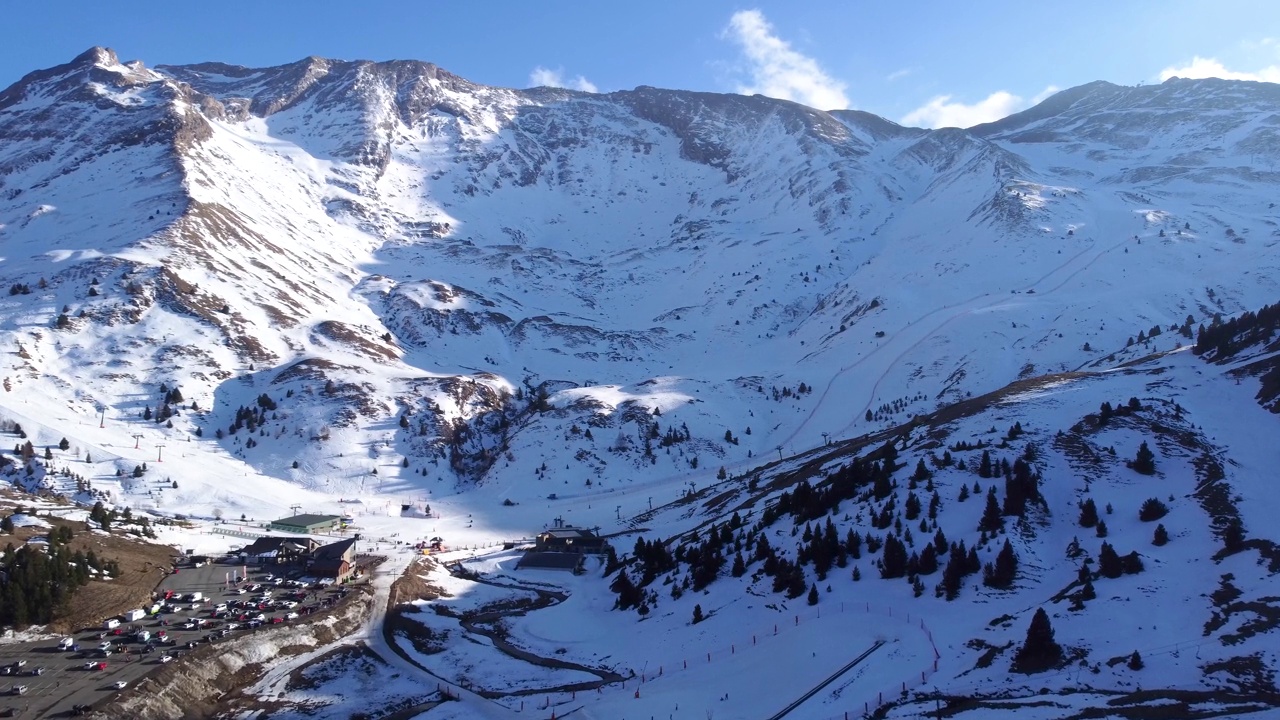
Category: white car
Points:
column 238, row 591
column 291, row 616
column 121, row 684
column 166, row 658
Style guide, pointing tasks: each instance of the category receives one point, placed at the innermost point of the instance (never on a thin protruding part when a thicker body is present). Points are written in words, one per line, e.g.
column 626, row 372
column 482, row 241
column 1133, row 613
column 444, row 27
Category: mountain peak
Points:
column 96, row 55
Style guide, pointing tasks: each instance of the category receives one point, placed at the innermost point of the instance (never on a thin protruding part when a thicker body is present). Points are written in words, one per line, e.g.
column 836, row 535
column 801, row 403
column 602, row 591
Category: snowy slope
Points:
column 424, row 290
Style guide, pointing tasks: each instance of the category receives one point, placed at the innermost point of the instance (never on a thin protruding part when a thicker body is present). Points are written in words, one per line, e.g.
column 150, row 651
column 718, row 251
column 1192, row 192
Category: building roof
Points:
column 550, row 560
column 307, row 520
column 569, row 533
column 333, row 550
column 269, row 544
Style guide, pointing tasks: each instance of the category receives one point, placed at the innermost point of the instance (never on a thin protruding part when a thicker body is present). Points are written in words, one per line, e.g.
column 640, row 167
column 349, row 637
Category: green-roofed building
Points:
column 306, row 524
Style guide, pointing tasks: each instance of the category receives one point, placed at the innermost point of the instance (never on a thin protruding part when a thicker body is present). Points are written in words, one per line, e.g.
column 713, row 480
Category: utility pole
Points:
column 159, row 452
column 779, row 453
column 102, row 421
column 650, row 502
column 137, row 439
column 295, row 508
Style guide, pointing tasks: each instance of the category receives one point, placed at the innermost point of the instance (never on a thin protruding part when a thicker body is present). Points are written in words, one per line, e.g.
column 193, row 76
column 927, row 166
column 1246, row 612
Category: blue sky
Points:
column 924, row 63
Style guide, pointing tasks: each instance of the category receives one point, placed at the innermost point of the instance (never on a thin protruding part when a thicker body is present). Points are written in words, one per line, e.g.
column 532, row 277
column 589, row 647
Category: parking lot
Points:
column 71, row 677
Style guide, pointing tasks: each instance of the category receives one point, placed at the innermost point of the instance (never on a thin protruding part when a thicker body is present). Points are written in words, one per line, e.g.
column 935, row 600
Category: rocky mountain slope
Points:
column 382, row 284
column 430, row 247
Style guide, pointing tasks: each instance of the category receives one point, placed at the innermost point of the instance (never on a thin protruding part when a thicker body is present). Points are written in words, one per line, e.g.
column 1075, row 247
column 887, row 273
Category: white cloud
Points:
column 942, row 112
column 1201, row 67
column 546, row 77
column 779, row 71
column 1045, row 94
column 897, row 74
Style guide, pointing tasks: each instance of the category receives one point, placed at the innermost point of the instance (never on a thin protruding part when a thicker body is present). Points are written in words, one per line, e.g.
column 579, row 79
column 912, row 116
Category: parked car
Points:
column 291, row 616
column 166, row 658
column 121, row 684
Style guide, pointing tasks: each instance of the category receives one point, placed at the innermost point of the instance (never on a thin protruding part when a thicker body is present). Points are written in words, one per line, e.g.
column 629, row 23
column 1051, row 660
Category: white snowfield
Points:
column 517, row 305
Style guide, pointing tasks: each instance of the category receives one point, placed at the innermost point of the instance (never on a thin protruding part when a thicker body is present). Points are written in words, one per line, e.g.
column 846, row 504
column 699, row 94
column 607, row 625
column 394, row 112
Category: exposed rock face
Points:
column 389, row 222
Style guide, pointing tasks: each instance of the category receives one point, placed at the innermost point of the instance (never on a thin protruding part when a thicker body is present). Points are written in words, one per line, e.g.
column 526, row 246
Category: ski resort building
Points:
column 306, row 524
column 563, row 547
column 568, row 539
column 335, row 561
column 278, row 550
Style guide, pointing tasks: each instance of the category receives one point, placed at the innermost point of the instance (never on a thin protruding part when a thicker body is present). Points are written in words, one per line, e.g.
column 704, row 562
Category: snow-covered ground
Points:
column 513, row 307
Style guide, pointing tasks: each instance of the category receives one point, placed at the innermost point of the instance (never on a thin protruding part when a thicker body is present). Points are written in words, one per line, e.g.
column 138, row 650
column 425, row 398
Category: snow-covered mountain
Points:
column 382, row 282
column 449, row 251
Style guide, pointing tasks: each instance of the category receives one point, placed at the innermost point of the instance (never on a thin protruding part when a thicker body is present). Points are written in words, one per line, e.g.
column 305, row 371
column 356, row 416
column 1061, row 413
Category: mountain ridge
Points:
column 359, row 165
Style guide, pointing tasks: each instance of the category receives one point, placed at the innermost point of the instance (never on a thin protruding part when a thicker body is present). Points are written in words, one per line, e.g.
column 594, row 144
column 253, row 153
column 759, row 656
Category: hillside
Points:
column 237, row 290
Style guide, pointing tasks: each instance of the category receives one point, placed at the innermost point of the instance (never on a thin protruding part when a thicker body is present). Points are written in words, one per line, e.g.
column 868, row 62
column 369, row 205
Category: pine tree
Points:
column 1088, row 513
column 1002, row 574
column 1087, row 592
column 984, row 467
column 1131, row 563
column 894, row 559
column 813, row 594
column 1161, row 536
column 629, row 595
column 922, row 473
column 739, row 566
column 697, row 614
column 953, row 574
column 1040, row 652
column 991, row 518
column 64, row 445
column 1109, row 564
column 1152, row 509
column 1145, row 462
column 928, row 564
column 1101, row 528
column 1135, row 661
